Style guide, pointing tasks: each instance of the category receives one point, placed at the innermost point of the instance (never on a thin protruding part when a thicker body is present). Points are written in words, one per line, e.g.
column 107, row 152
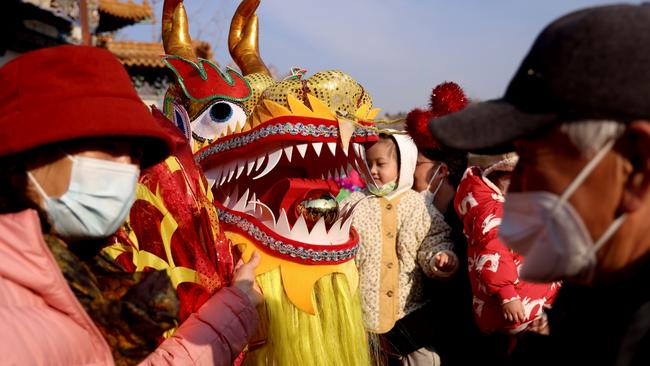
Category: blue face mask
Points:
column 98, row 199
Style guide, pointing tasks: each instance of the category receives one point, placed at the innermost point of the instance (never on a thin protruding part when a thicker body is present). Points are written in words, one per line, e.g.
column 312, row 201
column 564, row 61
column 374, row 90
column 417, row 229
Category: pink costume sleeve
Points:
column 214, row 335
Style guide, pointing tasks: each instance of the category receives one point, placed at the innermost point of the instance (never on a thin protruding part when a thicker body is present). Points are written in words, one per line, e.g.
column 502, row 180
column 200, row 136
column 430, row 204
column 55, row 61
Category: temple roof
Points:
column 146, row 54
column 115, row 14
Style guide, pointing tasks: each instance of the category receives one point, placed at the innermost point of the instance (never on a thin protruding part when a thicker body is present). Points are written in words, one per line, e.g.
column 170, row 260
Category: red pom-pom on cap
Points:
column 447, row 98
column 417, row 126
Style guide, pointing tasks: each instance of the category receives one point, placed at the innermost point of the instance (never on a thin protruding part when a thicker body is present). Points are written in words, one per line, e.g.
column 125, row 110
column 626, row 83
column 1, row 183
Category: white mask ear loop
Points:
column 435, row 174
column 437, row 189
column 584, row 173
column 37, row 185
column 611, row 230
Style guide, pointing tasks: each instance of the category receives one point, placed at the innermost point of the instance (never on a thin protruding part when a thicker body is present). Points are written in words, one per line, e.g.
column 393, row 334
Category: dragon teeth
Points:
column 302, row 149
column 231, row 171
column 213, row 176
column 288, row 151
column 241, row 204
column 251, row 205
column 282, row 226
column 299, row 231
column 357, row 149
column 260, row 160
column 318, row 146
column 318, row 232
column 332, row 147
column 240, row 168
column 274, row 158
column 249, row 169
column 266, row 215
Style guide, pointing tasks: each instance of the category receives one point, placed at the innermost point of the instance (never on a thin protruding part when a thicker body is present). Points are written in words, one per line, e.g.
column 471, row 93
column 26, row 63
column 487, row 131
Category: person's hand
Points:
column 539, row 325
column 513, row 311
column 445, row 262
column 244, row 279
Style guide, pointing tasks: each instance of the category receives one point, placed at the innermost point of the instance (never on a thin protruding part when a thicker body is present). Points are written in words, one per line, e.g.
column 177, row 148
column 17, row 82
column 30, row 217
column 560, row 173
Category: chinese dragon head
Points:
column 270, row 151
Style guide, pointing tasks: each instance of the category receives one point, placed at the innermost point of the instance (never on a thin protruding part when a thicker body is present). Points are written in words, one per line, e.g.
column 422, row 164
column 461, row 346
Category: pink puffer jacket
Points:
column 42, row 323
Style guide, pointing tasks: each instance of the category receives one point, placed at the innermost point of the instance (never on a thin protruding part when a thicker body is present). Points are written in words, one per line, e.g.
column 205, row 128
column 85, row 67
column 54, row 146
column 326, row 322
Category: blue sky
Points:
column 398, row 49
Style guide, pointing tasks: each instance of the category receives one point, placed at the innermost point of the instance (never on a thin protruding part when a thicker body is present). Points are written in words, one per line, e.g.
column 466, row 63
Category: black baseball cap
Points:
column 590, row 64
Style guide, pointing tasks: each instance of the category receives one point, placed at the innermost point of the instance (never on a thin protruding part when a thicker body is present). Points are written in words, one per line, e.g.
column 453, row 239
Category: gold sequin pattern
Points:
column 278, row 92
column 338, row 90
column 335, row 88
column 259, row 83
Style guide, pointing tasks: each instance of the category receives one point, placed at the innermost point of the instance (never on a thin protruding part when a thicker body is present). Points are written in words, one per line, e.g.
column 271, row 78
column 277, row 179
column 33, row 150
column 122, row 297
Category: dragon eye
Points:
column 221, row 112
column 219, row 118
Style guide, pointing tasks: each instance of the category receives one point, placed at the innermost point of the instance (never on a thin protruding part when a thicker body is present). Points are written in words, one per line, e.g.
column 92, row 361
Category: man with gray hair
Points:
column 578, row 114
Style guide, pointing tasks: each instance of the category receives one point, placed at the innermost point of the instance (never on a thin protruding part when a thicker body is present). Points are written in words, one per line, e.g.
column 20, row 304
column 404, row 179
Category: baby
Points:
column 402, row 240
column 502, row 302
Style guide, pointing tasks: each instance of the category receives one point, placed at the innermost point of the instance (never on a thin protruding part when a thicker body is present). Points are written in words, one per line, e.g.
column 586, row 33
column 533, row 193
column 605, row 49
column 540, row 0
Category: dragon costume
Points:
column 268, row 150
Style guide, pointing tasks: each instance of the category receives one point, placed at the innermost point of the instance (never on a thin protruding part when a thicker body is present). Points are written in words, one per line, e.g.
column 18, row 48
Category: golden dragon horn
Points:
column 175, row 30
column 243, row 39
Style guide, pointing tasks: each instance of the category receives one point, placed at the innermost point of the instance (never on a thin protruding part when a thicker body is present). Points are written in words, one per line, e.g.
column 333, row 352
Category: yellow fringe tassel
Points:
column 334, row 336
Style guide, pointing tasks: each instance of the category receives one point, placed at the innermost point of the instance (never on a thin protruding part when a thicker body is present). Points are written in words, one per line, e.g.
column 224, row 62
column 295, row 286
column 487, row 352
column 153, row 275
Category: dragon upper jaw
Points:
column 251, row 166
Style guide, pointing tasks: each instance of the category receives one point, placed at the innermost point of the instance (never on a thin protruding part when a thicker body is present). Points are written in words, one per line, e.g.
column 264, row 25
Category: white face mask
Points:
column 427, row 194
column 550, row 234
column 98, row 199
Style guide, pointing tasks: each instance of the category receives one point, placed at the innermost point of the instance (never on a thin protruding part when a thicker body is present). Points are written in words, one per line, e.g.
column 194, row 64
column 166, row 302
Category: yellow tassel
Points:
column 334, row 336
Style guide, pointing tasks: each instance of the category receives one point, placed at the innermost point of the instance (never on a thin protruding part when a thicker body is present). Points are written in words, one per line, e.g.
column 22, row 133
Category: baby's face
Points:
column 382, row 161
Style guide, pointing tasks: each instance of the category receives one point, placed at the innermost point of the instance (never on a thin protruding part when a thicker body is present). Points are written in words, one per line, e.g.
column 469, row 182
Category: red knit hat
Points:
column 69, row 92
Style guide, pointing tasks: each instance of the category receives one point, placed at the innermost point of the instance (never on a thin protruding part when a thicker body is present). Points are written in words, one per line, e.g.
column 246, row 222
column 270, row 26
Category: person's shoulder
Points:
column 410, row 194
column 412, row 197
column 413, row 202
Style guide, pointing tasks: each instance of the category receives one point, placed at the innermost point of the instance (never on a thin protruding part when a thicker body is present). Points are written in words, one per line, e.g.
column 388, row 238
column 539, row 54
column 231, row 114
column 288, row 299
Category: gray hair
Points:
column 589, row 136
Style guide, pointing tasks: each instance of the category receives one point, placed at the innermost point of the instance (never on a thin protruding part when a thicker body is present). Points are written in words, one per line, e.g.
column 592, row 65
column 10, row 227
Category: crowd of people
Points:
column 507, row 232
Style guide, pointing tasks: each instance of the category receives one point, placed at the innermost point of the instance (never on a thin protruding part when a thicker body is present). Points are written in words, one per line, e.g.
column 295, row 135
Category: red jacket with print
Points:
column 493, row 268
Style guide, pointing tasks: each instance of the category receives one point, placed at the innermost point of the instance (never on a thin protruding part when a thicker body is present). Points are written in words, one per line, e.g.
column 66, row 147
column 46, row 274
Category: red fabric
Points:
column 493, row 268
column 198, row 243
column 203, row 80
column 69, row 92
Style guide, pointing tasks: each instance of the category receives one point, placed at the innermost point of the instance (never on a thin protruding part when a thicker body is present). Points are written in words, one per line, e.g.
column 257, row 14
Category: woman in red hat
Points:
column 73, row 137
